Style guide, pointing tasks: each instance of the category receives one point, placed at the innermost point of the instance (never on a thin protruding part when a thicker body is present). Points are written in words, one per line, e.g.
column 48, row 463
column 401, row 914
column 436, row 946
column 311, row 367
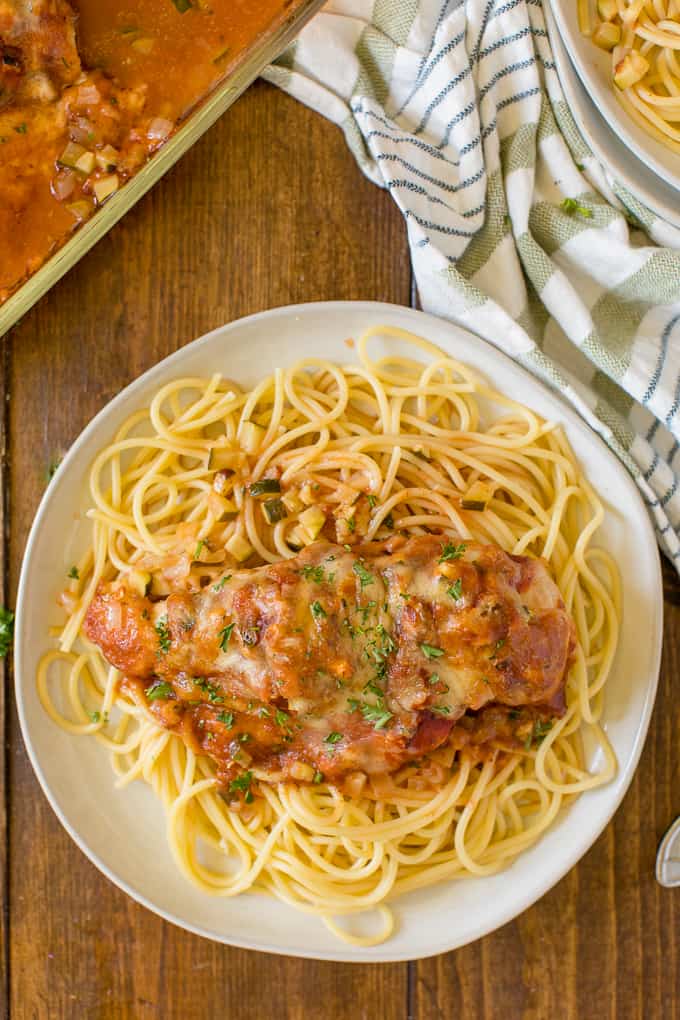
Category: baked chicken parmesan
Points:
column 347, row 662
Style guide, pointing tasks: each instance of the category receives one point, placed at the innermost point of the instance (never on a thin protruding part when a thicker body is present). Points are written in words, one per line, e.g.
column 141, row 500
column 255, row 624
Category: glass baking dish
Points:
column 262, row 51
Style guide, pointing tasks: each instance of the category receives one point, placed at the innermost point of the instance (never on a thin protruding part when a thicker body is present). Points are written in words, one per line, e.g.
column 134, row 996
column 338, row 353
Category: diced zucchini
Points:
column 477, row 497
column 630, row 70
column 312, row 521
column 107, row 158
column 221, row 458
column 298, row 538
column 222, row 508
column 239, row 547
column 300, row 770
column 265, row 487
column 251, row 436
column 139, row 581
column 607, row 9
column 105, row 187
column 607, row 36
column 70, row 156
column 82, row 210
column 274, row 510
column 292, row 502
column 85, row 165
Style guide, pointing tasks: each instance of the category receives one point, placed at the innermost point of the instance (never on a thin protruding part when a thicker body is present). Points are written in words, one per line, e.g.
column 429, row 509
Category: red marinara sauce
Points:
column 88, row 92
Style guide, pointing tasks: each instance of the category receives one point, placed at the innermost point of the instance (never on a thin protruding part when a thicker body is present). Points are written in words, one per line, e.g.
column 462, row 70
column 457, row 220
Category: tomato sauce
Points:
column 88, row 92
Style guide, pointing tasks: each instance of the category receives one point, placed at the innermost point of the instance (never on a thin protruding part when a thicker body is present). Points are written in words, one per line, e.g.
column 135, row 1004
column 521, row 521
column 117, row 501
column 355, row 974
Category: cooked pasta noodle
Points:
column 647, row 84
column 419, row 433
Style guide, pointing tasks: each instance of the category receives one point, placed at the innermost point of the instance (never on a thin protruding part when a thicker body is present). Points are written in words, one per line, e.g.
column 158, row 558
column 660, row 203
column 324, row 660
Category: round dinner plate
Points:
column 593, row 66
column 605, row 145
column 123, row 831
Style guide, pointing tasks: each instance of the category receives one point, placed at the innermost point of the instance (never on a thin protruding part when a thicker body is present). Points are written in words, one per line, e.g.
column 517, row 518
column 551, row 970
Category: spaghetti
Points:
column 417, row 436
column 644, row 39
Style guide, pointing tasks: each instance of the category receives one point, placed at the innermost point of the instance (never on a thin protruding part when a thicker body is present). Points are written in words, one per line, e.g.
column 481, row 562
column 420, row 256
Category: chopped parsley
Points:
column 199, row 547
column 22, row 128
column 263, row 712
column 159, row 690
column 227, row 718
column 376, row 714
column 539, row 731
column 389, row 521
column 372, row 501
column 333, row 737
column 571, row 206
column 430, row 652
column 95, row 717
column 312, row 573
column 225, row 634
column 242, row 785
column 433, row 678
column 282, row 718
column 318, row 777
column 73, row 572
column 441, row 709
column 364, row 576
column 163, row 635
column 220, row 584
column 209, row 689
column 317, row 610
column 450, row 551
column 456, row 589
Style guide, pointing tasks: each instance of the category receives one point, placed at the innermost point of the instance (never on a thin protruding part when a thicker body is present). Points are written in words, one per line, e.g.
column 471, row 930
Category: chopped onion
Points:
column 159, row 129
column 63, row 184
column 88, row 94
column 82, row 132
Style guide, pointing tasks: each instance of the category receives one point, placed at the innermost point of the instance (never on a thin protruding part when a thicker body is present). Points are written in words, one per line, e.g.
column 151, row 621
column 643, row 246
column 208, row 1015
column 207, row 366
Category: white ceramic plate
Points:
column 122, row 832
column 621, row 162
column 593, row 67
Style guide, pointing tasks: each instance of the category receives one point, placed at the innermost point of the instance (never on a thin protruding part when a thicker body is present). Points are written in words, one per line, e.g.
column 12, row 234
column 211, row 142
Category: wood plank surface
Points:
column 269, row 208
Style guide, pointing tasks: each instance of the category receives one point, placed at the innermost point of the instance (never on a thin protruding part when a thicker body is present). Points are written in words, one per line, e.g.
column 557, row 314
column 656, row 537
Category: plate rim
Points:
column 345, row 953
column 608, row 107
column 599, row 135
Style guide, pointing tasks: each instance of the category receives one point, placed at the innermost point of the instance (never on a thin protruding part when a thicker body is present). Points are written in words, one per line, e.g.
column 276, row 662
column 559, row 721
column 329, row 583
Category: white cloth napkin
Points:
column 515, row 230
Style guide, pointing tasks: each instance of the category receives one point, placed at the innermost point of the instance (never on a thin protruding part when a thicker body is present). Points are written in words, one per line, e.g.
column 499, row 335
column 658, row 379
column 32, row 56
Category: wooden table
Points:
column 268, row 209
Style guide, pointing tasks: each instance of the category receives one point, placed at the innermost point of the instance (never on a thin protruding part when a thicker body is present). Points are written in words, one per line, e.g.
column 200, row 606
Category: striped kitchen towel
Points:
column 515, row 229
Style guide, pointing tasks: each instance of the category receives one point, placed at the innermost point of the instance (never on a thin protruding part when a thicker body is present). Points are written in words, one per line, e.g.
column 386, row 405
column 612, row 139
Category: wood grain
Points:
column 269, row 209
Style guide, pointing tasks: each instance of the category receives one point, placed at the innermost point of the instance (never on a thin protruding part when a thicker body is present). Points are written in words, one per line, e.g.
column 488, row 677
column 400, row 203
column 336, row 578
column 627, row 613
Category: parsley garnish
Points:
column 433, row 678
column 430, row 652
column 163, row 634
column 364, row 576
column 73, row 572
column 571, row 206
column 209, row 689
column 242, row 785
column 95, row 717
column 227, row 718
column 441, row 709
column 200, row 545
column 351, row 524
column 456, row 589
column 225, row 634
column 372, row 501
column 159, row 690
column 311, row 573
column 539, row 731
column 22, row 128
column 318, row 777
column 451, row 552
column 389, row 521
column 317, row 610
column 377, row 714
column 282, row 718
column 220, row 584
column 333, row 737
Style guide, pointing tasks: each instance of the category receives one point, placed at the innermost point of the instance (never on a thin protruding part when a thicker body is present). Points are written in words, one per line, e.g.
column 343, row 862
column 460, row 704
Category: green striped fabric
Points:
column 516, row 231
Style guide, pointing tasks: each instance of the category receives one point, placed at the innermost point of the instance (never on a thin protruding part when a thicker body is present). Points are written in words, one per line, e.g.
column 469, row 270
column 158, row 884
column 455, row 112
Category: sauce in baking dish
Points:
column 88, row 92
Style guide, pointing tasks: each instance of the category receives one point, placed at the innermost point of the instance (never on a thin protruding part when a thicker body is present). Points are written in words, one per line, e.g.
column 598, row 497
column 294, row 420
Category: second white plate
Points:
column 593, row 68
column 622, row 163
